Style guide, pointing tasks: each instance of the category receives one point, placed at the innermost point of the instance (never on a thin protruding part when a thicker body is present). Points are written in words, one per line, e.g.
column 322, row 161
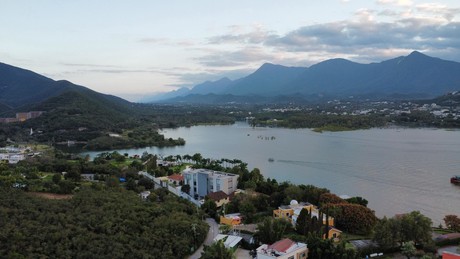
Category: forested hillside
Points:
column 110, row 223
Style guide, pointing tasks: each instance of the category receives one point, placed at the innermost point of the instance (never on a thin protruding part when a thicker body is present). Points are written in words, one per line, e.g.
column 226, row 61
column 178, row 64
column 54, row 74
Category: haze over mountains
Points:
column 409, row 77
column 413, row 76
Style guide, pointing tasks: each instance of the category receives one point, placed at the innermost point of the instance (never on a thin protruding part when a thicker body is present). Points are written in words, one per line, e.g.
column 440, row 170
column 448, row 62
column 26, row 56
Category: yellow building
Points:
column 231, row 219
column 292, row 211
column 333, row 234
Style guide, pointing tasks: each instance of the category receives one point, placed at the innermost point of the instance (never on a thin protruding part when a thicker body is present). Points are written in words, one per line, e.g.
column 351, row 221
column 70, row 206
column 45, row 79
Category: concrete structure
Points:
column 144, row 195
column 203, row 181
column 283, row 249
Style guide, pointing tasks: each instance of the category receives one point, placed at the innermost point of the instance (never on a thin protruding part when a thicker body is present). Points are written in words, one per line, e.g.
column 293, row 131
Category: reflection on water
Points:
column 397, row 170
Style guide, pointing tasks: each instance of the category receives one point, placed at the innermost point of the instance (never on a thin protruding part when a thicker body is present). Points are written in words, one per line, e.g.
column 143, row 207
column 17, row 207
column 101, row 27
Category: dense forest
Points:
column 98, row 223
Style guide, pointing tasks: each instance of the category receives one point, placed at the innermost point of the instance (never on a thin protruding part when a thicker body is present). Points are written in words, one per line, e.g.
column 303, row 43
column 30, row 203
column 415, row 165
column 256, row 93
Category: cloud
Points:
column 396, row 2
column 242, row 56
column 155, row 40
column 256, row 36
column 439, row 10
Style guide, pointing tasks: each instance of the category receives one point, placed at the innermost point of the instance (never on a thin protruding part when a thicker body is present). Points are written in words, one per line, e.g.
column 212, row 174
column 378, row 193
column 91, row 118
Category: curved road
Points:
column 212, row 233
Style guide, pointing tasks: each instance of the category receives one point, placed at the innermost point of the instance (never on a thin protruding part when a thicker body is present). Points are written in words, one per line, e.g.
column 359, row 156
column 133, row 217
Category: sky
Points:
column 138, row 48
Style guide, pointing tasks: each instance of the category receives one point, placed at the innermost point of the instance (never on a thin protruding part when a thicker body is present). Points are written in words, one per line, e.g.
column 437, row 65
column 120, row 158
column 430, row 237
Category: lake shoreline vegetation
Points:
column 74, row 118
column 163, row 219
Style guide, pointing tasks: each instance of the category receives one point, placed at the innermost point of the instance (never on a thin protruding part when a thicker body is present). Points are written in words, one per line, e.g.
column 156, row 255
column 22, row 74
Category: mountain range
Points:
column 414, row 76
column 23, row 90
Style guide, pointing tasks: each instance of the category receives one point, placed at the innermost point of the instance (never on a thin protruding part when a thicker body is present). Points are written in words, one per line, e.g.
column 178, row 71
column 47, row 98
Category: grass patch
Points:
column 46, row 177
column 332, row 128
column 442, row 231
column 351, row 237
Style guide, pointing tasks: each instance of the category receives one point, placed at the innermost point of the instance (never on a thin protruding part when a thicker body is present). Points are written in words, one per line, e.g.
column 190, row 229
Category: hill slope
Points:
column 22, row 87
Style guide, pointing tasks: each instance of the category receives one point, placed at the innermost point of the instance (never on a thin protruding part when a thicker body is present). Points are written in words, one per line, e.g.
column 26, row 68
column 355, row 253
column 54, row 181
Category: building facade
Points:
column 203, row 181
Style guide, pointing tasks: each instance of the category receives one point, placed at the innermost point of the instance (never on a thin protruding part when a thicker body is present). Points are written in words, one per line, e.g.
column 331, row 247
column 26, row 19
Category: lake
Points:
column 397, row 169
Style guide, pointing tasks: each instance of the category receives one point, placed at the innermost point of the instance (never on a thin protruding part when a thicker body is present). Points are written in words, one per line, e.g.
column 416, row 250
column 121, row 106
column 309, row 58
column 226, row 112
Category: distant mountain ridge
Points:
column 414, row 76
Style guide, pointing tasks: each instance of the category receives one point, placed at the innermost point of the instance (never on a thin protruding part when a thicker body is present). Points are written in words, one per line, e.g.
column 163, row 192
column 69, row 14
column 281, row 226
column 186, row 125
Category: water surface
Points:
column 397, row 170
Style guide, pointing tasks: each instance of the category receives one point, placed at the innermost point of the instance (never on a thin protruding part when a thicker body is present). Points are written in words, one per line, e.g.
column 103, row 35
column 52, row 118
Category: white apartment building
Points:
column 204, row 181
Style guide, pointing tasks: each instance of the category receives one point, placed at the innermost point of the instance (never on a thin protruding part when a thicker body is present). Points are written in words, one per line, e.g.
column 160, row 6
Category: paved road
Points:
column 212, row 233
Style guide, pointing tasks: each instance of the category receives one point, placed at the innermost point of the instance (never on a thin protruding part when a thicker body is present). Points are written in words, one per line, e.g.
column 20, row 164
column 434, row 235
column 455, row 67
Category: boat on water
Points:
column 271, row 159
column 455, row 179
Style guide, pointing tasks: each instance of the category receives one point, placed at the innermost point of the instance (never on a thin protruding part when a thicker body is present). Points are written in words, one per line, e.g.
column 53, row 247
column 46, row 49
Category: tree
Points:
column 358, row 200
column 408, row 249
column 256, row 176
column 197, row 158
column 301, row 225
column 131, row 185
column 387, row 233
column 56, row 178
column 111, row 181
column 452, row 222
column 73, row 175
column 416, row 227
column 147, row 183
column 352, row 218
column 271, row 230
column 185, row 188
column 330, row 198
column 210, row 207
column 247, row 210
column 217, row 251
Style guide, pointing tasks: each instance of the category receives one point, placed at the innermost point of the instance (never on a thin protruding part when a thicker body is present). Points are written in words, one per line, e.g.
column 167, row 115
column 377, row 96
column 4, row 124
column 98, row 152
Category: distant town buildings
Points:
column 13, row 154
column 22, row 116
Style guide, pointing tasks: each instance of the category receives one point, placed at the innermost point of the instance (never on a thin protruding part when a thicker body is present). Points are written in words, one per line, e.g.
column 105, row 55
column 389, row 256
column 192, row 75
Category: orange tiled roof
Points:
column 176, row 177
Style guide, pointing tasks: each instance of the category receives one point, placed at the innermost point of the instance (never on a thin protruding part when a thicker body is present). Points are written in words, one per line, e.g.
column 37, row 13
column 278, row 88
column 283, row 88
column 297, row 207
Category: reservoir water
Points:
column 397, row 169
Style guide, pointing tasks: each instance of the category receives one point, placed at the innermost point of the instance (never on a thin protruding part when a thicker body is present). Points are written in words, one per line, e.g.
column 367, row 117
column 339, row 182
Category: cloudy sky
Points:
column 138, row 48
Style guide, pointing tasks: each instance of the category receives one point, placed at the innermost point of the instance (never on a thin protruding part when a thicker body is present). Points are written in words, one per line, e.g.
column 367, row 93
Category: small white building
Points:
column 144, row 195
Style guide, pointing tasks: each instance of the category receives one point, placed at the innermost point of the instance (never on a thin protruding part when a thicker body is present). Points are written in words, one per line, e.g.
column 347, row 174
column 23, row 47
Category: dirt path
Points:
column 51, row 196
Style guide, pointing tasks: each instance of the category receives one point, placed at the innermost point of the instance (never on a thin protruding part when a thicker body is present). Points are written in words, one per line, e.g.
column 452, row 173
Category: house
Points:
column 87, row 177
column 163, row 180
column 220, row 198
column 176, row 179
column 230, row 241
column 231, row 219
column 292, row 211
column 333, row 233
column 204, row 181
column 12, row 158
column 283, row 249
